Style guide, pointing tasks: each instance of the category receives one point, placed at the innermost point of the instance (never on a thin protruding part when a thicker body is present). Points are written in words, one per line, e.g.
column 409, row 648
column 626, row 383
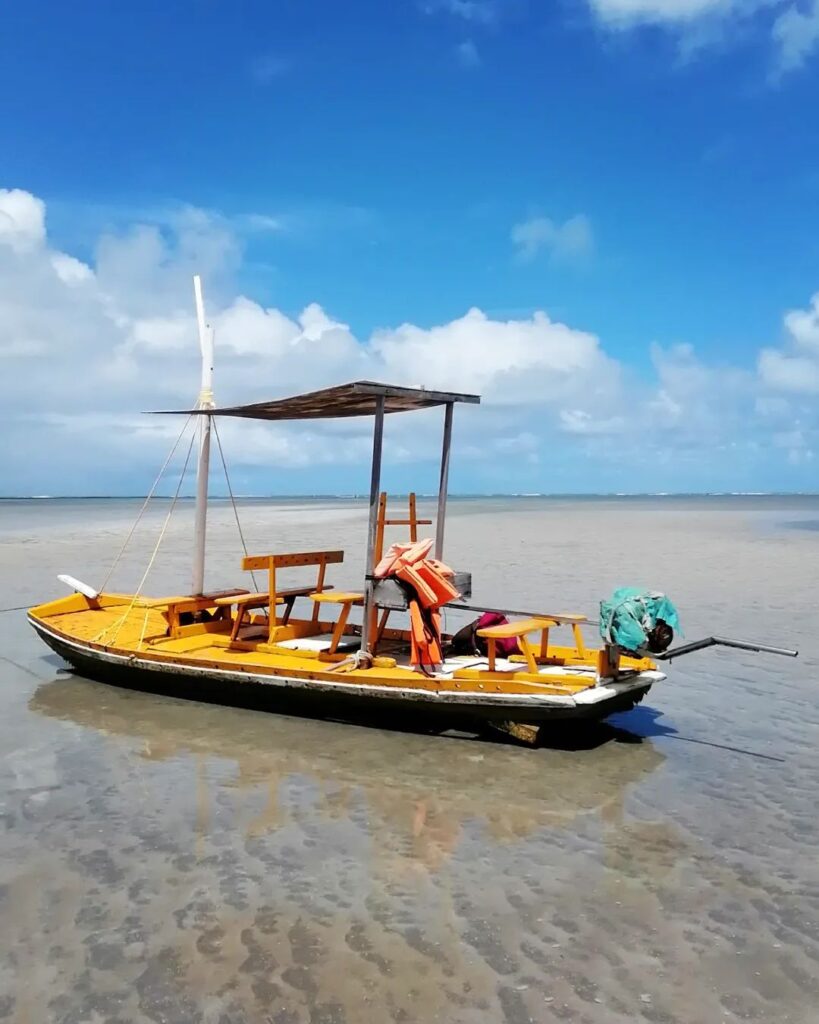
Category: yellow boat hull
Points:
column 124, row 641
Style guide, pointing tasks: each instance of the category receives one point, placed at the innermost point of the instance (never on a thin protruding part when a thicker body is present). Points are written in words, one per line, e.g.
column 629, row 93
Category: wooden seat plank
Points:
column 293, row 592
column 338, row 597
column 161, row 602
column 257, row 600
column 516, row 629
column 520, row 630
column 346, row 600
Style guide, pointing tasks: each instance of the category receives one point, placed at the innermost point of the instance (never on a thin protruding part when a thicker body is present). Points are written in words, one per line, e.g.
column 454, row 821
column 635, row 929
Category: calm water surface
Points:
column 180, row 862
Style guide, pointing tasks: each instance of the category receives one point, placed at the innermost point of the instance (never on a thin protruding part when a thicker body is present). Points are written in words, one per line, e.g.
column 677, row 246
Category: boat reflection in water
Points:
column 424, row 786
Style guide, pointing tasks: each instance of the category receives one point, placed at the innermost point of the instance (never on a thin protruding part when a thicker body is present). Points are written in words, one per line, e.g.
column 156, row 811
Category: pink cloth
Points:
column 506, row 646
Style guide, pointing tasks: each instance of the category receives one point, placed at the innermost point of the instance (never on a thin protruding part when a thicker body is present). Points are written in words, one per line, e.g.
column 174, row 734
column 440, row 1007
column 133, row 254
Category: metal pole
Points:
column 375, row 490
column 724, row 641
column 205, row 401
column 443, row 484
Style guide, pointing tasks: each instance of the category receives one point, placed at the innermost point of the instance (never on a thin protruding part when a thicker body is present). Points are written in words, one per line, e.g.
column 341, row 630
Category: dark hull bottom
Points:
column 381, row 711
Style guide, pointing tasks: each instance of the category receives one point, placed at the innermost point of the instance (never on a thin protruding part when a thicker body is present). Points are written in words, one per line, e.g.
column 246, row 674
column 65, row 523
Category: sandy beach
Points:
column 173, row 862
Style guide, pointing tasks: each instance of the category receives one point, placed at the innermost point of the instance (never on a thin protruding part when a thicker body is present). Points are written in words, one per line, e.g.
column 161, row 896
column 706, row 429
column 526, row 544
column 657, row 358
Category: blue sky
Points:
column 645, row 172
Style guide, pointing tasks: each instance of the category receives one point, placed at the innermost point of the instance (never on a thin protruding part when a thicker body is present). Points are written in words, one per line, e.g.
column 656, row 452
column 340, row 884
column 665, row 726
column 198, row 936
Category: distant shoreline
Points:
column 561, row 496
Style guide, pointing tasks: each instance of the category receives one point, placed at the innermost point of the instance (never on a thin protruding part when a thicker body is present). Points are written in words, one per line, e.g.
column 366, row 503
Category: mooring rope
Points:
column 145, row 504
column 23, row 668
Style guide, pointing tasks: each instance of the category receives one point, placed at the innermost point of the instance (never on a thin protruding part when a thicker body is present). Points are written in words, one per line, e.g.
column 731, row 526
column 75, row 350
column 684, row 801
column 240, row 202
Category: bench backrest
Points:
column 271, row 563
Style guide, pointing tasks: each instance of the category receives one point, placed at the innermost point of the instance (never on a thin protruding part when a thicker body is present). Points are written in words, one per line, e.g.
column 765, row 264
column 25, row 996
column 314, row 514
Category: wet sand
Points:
column 180, row 862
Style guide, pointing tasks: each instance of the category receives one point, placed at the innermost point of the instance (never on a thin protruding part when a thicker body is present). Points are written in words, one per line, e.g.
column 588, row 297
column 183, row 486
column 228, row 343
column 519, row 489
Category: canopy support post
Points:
column 375, row 491
column 205, row 401
column 443, row 485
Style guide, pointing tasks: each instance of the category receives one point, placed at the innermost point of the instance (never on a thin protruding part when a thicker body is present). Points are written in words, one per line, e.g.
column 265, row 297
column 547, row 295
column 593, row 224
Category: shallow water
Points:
column 172, row 861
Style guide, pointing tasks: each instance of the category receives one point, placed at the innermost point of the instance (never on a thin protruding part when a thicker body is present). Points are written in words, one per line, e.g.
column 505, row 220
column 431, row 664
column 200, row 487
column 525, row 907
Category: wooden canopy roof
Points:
column 359, row 398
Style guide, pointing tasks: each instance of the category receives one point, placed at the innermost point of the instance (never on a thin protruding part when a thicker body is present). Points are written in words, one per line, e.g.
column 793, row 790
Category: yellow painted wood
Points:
column 529, row 653
column 118, row 623
column 380, row 523
column 511, row 629
column 257, row 600
column 291, row 560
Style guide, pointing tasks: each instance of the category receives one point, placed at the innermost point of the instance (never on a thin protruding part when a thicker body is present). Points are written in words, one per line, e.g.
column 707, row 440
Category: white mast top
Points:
column 205, row 401
column 206, row 348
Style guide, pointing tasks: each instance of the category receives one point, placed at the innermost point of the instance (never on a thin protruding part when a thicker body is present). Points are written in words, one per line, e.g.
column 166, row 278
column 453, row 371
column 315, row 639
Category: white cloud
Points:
column 269, row 66
column 789, row 373
column 22, row 219
column 803, row 326
column 795, row 367
column 161, row 333
column 796, row 35
column 793, row 442
column 701, row 407
column 259, row 222
column 87, row 347
column 569, row 241
column 482, row 12
column 579, row 421
column 247, row 328
column 792, row 25
column 624, row 12
column 467, row 54
column 70, row 270
column 509, row 361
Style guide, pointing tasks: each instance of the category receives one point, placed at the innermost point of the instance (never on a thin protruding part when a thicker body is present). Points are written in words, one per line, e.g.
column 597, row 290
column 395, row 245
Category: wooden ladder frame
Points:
column 413, row 522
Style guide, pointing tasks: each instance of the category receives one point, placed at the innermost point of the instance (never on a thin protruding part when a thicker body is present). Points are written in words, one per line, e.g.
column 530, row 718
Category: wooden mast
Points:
column 205, row 401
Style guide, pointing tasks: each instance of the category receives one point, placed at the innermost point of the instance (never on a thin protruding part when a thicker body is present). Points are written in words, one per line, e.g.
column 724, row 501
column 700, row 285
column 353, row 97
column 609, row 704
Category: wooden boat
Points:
column 337, row 652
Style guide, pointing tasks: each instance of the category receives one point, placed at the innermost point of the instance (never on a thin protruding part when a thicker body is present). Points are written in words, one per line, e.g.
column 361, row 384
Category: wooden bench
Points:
column 245, row 603
column 283, row 596
column 346, row 600
column 179, row 606
column 521, row 631
column 575, row 621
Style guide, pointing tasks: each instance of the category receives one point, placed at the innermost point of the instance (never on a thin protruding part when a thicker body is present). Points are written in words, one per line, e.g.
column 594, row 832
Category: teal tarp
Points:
column 630, row 615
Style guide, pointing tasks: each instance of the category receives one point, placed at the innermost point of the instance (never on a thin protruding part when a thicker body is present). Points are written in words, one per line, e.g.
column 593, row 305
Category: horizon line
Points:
column 353, row 496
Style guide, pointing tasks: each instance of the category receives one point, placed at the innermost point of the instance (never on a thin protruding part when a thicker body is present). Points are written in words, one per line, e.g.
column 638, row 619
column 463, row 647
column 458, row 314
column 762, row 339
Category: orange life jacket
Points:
column 425, row 635
column 400, row 555
column 430, row 581
column 431, row 586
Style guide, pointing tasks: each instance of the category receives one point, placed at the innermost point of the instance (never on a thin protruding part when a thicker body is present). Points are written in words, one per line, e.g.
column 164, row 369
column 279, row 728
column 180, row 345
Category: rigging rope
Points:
column 118, row 625
column 145, row 504
column 232, row 498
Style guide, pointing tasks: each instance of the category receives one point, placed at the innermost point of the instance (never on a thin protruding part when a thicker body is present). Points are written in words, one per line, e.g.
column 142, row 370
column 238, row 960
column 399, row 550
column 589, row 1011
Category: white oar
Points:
column 82, row 588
